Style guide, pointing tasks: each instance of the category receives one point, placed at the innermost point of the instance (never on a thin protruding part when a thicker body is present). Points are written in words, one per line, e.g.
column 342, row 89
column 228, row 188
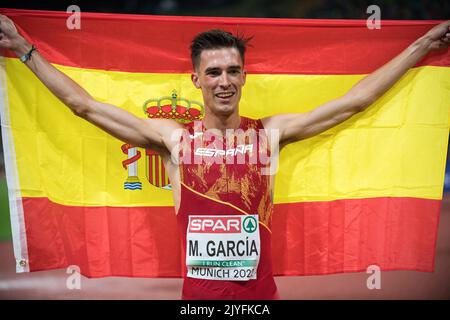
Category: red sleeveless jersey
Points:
column 224, row 179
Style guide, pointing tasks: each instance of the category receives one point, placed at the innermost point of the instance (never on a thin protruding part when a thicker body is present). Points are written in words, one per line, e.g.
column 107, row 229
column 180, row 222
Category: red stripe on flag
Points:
column 308, row 238
column 160, row 44
column 157, row 175
column 163, row 171
column 350, row 235
column 150, row 168
column 102, row 241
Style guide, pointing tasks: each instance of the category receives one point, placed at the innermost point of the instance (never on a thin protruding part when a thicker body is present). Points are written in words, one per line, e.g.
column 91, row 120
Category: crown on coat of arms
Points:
column 174, row 107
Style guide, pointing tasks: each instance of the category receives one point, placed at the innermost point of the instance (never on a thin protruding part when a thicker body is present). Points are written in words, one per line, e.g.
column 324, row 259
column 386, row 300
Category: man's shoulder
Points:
column 248, row 122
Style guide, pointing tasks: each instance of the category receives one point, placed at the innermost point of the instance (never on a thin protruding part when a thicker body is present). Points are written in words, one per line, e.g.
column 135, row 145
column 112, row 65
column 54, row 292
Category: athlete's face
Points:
column 220, row 76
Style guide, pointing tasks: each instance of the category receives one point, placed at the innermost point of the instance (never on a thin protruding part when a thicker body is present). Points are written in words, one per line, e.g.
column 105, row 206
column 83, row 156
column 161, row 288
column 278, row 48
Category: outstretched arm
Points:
column 295, row 127
column 116, row 121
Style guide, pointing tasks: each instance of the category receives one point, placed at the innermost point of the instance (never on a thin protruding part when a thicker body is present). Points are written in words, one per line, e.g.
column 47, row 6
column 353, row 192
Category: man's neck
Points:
column 222, row 123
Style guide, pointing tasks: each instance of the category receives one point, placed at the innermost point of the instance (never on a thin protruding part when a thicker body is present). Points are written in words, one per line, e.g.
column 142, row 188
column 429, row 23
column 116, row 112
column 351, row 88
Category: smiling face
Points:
column 220, row 76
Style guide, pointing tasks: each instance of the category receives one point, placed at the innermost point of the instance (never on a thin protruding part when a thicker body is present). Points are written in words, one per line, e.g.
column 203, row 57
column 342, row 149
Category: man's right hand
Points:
column 116, row 121
column 10, row 38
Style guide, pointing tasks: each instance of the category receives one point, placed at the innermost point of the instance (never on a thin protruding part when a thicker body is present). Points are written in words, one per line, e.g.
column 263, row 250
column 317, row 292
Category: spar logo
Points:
column 250, row 224
column 215, row 224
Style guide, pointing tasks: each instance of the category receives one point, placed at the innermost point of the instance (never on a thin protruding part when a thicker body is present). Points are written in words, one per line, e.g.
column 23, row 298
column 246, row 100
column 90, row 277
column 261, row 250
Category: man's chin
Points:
column 225, row 109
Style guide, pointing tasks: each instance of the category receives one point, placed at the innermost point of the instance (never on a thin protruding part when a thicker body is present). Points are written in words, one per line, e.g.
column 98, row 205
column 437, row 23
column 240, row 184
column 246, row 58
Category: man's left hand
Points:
column 438, row 37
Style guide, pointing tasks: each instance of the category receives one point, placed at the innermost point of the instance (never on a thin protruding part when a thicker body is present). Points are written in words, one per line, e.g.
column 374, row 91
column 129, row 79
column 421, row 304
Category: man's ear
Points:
column 244, row 75
column 194, row 78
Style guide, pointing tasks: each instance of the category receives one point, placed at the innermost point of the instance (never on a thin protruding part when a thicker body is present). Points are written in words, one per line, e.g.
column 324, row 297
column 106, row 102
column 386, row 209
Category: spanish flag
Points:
column 367, row 192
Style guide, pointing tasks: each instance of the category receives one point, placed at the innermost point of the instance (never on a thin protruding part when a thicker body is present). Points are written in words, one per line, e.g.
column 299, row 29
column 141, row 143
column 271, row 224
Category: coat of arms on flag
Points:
column 167, row 107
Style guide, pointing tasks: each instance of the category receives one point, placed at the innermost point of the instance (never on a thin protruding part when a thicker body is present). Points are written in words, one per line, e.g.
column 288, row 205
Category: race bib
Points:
column 223, row 247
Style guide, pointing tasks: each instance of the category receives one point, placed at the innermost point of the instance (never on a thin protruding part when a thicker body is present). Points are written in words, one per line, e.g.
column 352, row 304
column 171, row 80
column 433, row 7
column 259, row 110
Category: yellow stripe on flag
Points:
column 393, row 149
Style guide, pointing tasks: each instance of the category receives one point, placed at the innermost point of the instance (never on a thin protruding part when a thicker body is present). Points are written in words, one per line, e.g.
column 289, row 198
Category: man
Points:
column 232, row 201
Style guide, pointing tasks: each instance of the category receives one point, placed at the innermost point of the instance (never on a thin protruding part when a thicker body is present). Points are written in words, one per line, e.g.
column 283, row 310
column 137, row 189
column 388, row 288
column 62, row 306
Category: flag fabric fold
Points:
column 367, row 192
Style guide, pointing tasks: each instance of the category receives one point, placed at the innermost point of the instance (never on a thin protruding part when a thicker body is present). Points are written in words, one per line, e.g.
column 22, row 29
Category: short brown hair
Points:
column 216, row 39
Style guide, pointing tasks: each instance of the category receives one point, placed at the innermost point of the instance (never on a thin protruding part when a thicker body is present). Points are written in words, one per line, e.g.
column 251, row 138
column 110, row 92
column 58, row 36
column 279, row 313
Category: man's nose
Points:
column 224, row 81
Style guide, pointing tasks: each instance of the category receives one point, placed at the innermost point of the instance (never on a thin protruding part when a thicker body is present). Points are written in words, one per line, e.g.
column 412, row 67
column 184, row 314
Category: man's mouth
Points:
column 224, row 95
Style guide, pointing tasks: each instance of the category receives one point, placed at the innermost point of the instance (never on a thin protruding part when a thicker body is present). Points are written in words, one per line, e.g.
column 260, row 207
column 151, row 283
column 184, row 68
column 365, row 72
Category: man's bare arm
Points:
column 295, row 127
column 116, row 121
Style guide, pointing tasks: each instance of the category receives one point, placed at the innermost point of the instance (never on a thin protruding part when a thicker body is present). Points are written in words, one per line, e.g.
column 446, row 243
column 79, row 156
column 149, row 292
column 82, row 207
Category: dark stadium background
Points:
column 394, row 284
